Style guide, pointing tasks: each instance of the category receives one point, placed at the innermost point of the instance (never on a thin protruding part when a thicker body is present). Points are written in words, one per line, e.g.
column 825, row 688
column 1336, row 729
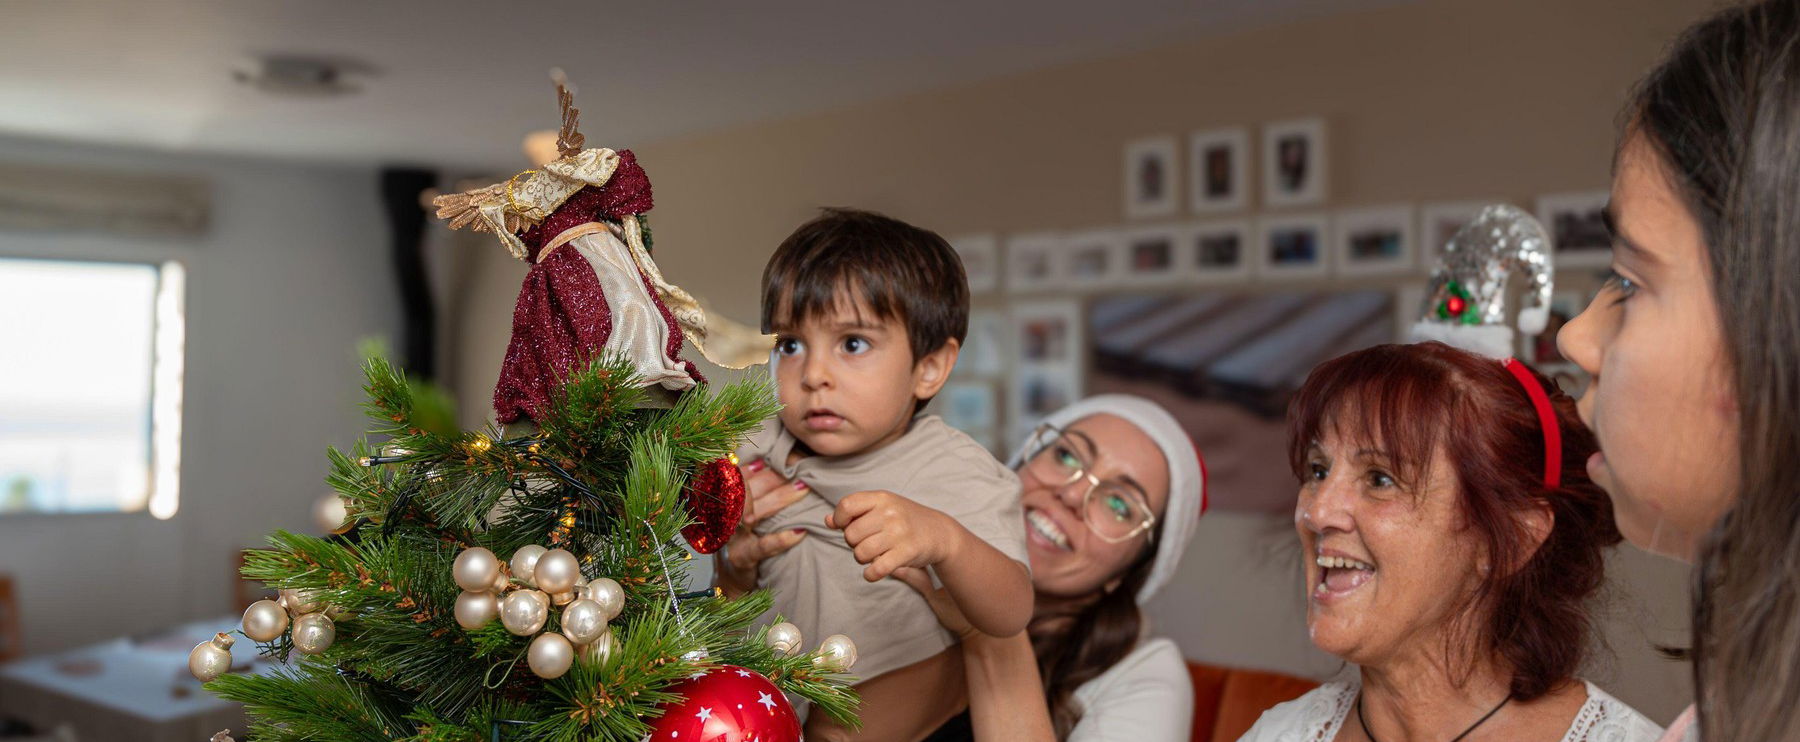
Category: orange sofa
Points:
column 1228, row 701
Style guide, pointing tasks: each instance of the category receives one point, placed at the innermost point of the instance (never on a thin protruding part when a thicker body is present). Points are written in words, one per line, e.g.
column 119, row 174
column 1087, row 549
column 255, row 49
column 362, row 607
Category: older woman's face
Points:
column 1386, row 567
column 1067, row 558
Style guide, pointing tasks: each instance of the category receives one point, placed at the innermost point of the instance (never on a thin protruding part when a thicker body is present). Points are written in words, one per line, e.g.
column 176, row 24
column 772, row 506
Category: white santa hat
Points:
column 1187, row 474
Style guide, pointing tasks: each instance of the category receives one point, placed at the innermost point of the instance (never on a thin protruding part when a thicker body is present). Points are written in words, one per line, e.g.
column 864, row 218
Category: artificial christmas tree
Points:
column 407, row 624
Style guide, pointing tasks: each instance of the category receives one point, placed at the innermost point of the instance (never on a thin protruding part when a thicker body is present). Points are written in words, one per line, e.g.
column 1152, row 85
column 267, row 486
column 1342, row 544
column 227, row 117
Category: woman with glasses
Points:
column 1452, row 540
column 1111, row 490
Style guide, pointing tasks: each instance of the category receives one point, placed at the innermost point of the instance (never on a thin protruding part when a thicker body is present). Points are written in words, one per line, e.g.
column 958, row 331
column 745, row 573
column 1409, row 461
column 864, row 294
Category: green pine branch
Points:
column 600, row 476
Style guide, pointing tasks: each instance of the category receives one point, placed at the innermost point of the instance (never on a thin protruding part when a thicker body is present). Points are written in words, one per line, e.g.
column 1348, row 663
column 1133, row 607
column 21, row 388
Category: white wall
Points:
column 292, row 272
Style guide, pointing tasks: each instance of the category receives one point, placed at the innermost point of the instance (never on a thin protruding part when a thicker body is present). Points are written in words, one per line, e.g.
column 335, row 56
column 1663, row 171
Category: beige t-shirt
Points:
column 818, row 584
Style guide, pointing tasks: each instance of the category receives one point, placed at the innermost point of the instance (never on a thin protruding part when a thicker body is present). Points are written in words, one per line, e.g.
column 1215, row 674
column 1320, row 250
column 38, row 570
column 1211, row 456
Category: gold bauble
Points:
column 475, row 610
column 836, row 653
column 608, row 593
column 502, row 579
column 475, row 569
column 300, row 602
column 211, row 658
column 265, row 621
column 584, row 621
column 550, row 656
column 524, row 612
column 556, row 571
column 313, row 633
column 784, row 638
column 524, row 560
column 597, row 651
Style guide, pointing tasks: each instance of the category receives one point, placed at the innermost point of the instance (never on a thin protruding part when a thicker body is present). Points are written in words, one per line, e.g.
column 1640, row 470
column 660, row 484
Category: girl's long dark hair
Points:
column 1075, row 648
column 1723, row 111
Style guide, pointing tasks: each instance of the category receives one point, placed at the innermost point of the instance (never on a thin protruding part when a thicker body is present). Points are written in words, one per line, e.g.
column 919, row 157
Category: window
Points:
column 90, row 386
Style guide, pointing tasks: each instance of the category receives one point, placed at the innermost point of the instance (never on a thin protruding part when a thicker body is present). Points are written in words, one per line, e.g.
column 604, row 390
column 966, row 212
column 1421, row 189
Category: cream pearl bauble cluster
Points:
column 521, row 593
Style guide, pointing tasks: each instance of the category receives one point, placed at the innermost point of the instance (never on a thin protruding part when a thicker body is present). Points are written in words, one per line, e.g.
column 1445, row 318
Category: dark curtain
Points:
column 400, row 192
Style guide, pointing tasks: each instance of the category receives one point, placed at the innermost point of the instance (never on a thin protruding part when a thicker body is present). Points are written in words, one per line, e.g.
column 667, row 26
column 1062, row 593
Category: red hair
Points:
column 1532, row 607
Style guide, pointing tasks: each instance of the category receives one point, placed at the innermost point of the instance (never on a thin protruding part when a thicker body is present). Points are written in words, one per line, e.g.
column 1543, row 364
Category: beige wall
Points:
column 1440, row 100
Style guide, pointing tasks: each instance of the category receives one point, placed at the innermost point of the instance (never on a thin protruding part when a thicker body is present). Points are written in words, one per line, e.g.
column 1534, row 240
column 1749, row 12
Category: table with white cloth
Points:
column 128, row 690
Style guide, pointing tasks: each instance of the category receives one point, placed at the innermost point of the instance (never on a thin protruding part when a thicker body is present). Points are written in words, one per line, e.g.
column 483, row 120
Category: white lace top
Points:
column 1317, row 717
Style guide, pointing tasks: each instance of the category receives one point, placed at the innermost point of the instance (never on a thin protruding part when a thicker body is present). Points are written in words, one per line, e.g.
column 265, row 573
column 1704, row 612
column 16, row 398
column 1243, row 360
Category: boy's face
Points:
column 848, row 381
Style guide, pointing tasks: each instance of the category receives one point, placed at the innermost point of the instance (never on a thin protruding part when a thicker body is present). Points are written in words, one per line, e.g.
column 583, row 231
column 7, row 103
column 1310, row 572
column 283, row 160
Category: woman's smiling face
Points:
column 1387, row 564
column 1068, row 559
column 1661, row 401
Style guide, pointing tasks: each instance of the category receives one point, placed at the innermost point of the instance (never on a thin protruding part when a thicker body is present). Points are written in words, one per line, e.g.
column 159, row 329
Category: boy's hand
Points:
column 888, row 532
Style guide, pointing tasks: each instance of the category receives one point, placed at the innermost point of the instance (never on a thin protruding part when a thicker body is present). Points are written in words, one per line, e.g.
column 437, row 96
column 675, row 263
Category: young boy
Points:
column 869, row 315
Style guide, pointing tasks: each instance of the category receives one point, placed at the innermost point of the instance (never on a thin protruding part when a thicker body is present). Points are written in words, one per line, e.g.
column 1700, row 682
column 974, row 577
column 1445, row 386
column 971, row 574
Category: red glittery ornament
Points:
column 729, row 704
column 715, row 497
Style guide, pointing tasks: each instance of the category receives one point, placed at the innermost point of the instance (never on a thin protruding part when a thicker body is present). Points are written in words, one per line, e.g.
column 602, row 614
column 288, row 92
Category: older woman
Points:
column 1112, row 488
column 1446, row 557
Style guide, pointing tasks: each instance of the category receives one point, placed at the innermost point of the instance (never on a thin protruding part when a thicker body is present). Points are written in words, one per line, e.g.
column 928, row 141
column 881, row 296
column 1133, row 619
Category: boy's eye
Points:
column 787, row 346
column 1380, row 479
column 855, row 345
column 1316, row 471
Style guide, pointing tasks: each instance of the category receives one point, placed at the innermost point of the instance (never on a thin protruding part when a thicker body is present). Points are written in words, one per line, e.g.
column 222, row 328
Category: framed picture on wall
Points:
column 1051, row 348
column 980, row 255
column 1153, row 255
column 1150, row 180
column 1218, row 170
column 1294, row 163
column 1093, row 259
column 1577, row 224
column 1032, row 262
column 1292, row 246
column 1218, row 252
column 970, row 406
column 985, row 352
column 1438, row 222
column 1374, row 241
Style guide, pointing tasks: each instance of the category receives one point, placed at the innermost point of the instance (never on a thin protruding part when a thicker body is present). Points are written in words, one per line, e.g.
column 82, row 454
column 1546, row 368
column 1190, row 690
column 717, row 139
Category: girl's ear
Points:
column 932, row 371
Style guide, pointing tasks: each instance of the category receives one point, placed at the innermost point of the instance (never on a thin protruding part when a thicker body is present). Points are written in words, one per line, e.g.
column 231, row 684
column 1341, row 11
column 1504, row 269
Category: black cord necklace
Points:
column 1364, row 720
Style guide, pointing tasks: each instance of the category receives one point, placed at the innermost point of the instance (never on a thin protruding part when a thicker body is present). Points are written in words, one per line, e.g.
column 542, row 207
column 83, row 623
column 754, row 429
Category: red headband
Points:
column 1546, row 420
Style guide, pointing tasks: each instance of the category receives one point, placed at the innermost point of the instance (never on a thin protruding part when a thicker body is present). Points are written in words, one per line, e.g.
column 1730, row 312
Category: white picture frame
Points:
column 1220, row 252
column 1033, row 262
column 1438, row 222
column 1578, row 235
column 1151, row 177
column 980, row 255
column 971, row 407
column 1375, row 241
column 1296, row 163
column 1051, row 344
column 1154, row 256
column 1293, row 246
column 1092, row 259
column 1219, row 170
column 987, row 346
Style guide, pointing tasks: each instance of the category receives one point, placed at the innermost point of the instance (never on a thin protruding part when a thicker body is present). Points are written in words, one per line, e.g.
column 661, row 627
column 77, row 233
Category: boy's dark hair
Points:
column 905, row 273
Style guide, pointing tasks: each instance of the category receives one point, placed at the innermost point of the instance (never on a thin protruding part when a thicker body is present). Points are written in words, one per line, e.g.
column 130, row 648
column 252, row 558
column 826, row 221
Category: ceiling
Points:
column 459, row 82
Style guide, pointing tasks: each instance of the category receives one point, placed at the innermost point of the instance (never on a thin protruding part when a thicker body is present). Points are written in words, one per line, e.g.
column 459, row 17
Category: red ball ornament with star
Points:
column 715, row 498
column 728, row 704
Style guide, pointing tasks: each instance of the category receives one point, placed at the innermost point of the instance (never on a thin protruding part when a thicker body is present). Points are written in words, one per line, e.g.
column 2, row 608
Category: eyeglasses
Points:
column 1114, row 511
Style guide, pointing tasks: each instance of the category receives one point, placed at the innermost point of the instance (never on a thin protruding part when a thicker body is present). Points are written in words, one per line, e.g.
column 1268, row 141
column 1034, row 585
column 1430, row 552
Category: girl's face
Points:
column 1662, row 401
column 1068, row 559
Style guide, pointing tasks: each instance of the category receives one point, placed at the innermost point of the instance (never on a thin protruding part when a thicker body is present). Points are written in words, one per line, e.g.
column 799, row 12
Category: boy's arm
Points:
column 993, row 590
column 889, row 531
